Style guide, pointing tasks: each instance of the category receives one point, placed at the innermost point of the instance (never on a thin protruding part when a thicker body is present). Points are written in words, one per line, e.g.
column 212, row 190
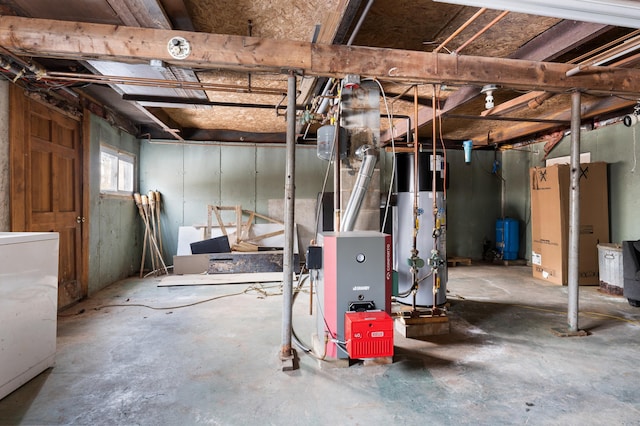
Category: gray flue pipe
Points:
column 289, row 203
column 369, row 158
column 574, row 214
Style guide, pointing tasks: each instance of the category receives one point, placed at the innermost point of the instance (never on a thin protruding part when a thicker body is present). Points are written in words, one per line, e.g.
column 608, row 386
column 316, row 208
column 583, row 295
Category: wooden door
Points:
column 48, row 184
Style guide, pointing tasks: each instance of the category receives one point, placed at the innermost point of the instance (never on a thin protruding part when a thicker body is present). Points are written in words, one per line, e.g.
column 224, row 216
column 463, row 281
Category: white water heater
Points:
column 403, row 225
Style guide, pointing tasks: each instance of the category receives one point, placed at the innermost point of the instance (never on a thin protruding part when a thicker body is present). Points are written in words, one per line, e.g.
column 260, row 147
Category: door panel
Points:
column 41, row 195
column 51, row 182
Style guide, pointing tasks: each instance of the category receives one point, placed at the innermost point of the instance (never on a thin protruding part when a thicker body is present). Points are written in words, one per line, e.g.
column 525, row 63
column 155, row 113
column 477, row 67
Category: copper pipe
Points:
column 623, row 49
column 434, row 164
column 460, row 29
column 482, row 31
column 631, row 60
column 604, row 47
column 107, row 79
column 395, row 98
column 434, row 135
column 416, row 186
column 416, row 193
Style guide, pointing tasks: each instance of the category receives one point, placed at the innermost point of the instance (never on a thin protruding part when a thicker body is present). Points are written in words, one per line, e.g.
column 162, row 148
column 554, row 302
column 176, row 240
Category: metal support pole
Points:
column 287, row 353
column 574, row 214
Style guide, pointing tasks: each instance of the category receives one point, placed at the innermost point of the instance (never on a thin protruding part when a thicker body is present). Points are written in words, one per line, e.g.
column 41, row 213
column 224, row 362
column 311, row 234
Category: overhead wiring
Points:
column 393, row 153
column 324, row 182
column 444, row 155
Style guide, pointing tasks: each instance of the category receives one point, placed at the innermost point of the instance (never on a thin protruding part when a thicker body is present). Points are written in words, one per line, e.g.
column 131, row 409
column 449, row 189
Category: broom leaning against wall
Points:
column 149, row 210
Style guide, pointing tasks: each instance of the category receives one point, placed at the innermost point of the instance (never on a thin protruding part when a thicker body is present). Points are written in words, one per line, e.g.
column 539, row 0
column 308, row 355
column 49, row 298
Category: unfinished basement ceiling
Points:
column 170, row 101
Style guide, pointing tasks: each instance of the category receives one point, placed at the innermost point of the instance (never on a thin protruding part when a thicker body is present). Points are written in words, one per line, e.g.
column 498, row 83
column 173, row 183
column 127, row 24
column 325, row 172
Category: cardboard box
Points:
column 550, row 221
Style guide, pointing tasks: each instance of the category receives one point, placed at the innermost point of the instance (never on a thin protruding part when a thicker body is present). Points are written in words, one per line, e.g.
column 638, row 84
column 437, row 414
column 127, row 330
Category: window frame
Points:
column 122, row 156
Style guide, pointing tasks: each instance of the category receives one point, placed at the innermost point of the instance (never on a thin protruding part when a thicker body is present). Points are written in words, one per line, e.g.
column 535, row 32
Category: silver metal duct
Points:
column 369, row 158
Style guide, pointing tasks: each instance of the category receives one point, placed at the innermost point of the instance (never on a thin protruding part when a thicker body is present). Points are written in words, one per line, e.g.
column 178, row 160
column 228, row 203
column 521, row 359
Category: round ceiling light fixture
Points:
column 179, row 47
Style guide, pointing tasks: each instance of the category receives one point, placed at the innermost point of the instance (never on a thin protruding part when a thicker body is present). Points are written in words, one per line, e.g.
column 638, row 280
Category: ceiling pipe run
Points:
column 460, row 29
column 479, row 33
column 154, row 82
column 626, row 48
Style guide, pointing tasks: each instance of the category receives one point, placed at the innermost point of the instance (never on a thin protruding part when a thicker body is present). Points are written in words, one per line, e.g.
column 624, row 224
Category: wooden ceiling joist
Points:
column 75, row 40
column 589, row 109
column 563, row 37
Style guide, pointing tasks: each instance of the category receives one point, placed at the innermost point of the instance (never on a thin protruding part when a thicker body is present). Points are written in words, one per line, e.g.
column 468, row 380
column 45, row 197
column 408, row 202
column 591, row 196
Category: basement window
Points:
column 116, row 171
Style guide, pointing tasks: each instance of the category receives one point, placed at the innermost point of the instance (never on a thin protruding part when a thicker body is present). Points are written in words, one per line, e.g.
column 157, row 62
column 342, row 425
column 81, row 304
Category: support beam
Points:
column 332, row 30
column 178, row 14
column 141, row 13
column 167, row 101
column 501, row 118
column 82, row 41
column 425, row 114
column 560, row 39
column 589, row 110
column 531, row 98
column 219, row 135
column 563, row 37
column 162, row 119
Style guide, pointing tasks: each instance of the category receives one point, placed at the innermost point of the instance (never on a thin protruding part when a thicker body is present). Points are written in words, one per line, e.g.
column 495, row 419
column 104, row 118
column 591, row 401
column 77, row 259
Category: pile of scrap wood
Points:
column 243, row 238
column 237, row 245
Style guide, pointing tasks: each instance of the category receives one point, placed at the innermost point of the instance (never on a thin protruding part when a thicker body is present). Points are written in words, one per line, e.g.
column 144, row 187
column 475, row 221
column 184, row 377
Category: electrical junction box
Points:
column 368, row 334
column 314, row 257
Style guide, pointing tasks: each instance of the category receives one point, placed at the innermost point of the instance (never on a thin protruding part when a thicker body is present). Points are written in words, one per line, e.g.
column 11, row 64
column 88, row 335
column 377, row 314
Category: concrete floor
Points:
column 216, row 362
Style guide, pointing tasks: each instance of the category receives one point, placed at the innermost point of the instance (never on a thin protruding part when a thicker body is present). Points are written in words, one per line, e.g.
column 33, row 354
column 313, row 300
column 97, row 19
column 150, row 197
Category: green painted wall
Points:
column 615, row 144
column 473, row 203
column 114, row 225
column 192, row 176
column 516, row 201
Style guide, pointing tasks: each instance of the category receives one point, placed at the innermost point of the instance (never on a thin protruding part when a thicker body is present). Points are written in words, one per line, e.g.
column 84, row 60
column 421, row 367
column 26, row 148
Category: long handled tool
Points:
column 149, row 232
column 151, row 218
column 146, row 211
column 158, row 199
column 138, row 200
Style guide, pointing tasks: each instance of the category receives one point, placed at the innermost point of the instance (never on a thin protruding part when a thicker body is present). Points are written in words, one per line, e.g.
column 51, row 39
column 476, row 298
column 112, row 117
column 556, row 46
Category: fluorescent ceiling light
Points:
column 620, row 13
